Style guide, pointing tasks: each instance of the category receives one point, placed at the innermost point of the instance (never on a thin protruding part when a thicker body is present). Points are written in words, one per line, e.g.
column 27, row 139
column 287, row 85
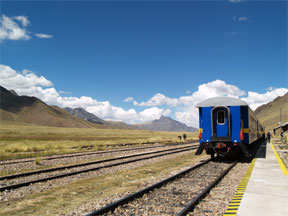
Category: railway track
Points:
column 176, row 195
column 79, row 154
column 25, row 179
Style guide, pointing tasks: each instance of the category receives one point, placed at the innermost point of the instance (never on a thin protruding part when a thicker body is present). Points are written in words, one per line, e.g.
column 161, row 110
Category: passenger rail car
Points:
column 227, row 126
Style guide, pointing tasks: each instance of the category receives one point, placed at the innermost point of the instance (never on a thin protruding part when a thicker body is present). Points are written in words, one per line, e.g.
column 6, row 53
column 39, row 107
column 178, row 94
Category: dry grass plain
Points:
column 23, row 141
column 68, row 199
column 18, row 141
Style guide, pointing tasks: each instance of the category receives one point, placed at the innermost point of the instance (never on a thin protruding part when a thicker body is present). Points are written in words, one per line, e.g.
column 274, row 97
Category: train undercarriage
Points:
column 223, row 149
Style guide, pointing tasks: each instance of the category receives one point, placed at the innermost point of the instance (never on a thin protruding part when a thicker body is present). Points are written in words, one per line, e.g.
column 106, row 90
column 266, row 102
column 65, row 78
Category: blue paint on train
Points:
column 205, row 124
column 245, row 118
column 236, row 125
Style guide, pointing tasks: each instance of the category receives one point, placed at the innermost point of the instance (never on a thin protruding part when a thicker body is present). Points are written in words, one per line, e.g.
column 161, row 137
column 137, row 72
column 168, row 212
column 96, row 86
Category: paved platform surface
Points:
column 267, row 190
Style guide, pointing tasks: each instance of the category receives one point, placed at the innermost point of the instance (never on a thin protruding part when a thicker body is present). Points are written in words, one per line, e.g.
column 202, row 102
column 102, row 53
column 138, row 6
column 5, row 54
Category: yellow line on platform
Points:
column 236, row 200
column 282, row 166
column 231, row 211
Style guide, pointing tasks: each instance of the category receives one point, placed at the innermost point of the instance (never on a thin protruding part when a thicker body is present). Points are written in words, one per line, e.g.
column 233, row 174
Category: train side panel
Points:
column 235, row 123
column 205, row 123
column 253, row 127
column 245, row 123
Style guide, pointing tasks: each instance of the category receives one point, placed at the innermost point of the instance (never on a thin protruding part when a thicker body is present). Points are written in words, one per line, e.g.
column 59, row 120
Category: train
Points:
column 227, row 127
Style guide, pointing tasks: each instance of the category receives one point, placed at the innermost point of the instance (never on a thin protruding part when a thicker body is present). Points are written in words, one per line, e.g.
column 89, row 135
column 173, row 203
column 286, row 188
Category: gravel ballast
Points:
column 215, row 203
column 39, row 187
column 49, row 162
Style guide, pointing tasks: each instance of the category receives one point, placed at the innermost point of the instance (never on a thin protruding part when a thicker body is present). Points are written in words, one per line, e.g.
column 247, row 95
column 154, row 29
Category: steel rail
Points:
column 15, row 186
column 190, row 207
column 77, row 154
column 84, row 164
column 114, row 205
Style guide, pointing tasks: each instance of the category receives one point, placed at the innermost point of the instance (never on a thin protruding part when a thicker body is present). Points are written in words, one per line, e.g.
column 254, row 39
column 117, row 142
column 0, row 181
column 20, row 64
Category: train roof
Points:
column 221, row 101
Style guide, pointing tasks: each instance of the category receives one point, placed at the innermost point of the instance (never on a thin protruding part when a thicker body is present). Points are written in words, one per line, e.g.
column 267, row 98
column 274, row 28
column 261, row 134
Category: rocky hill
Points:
column 31, row 110
column 269, row 114
column 81, row 113
column 165, row 124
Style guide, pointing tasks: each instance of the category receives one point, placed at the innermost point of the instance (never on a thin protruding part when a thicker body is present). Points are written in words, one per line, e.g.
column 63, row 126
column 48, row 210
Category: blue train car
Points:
column 227, row 126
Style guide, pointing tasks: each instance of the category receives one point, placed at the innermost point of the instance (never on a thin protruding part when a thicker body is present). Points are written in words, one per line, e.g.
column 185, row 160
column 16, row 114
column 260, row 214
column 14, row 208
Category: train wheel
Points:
column 212, row 155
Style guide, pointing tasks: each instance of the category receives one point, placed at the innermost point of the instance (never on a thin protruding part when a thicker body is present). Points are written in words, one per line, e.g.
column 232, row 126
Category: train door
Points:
column 220, row 122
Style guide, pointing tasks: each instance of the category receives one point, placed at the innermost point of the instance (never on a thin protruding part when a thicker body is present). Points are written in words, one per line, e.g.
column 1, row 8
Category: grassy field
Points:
column 22, row 141
column 63, row 199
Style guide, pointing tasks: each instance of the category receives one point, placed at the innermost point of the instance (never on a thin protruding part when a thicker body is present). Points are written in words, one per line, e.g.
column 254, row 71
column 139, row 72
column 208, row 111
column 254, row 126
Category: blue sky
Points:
column 137, row 50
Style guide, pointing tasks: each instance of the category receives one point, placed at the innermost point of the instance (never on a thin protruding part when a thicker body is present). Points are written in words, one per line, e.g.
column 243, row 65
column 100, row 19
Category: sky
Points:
column 134, row 61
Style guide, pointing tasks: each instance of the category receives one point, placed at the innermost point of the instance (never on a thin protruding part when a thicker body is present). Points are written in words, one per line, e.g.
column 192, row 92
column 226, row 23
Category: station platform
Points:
column 266, row 192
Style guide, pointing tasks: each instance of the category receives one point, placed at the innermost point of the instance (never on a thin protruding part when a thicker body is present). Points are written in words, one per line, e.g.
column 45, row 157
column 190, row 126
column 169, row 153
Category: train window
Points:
column 220, row 117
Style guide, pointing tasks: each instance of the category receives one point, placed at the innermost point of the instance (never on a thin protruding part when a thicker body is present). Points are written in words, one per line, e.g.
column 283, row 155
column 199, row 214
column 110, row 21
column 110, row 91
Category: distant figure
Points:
column 268, row 136
column 282, row 140
column 179, row 137
column 184, row 137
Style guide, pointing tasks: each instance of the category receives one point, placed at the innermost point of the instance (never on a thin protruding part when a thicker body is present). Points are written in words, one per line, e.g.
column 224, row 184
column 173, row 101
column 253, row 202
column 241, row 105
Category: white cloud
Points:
column 11, row 30
column 217, row 88
column 28, row 83
column 255, row 99
column 243, row 19
column 128, row 99
column 158, row 100
column 166, row 112
column 211, row 89
column 14, row 28
column 185, row 105
column 188, row 117
column 236, row 34
column 152, row 114
column 240, row 19
column 270, row 88
column 40, row 35
column 64, row 92
column 188, row 114
column 23, row 19
column 11, row 79
column 235, row 1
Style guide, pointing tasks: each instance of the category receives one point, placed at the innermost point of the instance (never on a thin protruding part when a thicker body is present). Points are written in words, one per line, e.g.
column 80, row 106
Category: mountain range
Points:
column 165, row 124
column 161, row 124
column 31, row 110
column 81, row 113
